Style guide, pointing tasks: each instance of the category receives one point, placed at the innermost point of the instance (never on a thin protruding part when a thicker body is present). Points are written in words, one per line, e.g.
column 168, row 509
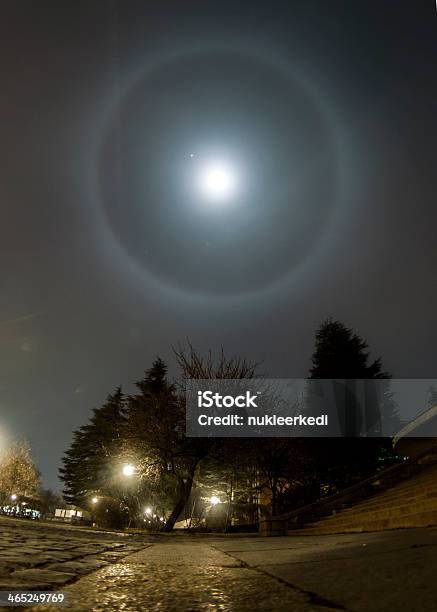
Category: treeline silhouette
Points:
column 176, row 476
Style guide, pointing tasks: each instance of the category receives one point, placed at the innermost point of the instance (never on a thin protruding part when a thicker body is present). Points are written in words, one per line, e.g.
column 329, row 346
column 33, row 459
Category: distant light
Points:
column 128, row 470
column 191, row 155
column 161, row 518
column 95, row 500
column 148, row 510
column 214, row 500
column 13, row 497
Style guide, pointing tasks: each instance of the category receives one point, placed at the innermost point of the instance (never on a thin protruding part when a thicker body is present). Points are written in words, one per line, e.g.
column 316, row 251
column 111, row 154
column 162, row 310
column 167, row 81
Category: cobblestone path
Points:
column 37, row 555
column 109, row 572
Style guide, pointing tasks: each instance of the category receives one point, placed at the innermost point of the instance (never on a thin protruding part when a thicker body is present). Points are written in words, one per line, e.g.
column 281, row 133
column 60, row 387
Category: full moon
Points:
column 217, row 181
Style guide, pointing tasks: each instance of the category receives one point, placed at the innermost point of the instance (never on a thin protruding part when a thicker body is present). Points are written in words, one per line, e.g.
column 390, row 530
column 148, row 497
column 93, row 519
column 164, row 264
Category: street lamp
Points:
column 148, row 511
column 13, row 497
column 128, row 470
column 214, row 500
column 94, row 500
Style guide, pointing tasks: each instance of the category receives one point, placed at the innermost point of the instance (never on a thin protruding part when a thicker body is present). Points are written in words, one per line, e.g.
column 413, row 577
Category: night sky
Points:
column 111, row 113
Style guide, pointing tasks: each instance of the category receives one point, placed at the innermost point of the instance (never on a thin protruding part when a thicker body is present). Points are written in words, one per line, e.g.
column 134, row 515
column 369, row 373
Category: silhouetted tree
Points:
column 195, row 365
column 285, row 466
column 343, row 355
column 47, row 502
column 91, row 466
column 155, row 430
column 230, row 472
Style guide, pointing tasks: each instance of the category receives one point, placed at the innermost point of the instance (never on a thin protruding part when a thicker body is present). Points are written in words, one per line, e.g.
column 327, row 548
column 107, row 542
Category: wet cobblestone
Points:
column 381, row 572
column 185, row 576
column 37, row 555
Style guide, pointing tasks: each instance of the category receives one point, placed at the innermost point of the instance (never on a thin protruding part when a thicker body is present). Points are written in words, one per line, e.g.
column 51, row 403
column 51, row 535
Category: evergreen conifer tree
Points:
column 89, row 464
column 342, row 355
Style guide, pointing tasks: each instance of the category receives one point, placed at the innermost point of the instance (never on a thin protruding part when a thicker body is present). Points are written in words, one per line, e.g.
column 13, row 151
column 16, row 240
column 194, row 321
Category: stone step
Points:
column 413, row 480
column 414, row 488
column 391, row 511
column 418, row 480
column 426, row 474
column 409, row 503
column 365, row 516
column 381, row 502
column 425, row 501
column 418, row 519
column 394, row 513
column 404, row 487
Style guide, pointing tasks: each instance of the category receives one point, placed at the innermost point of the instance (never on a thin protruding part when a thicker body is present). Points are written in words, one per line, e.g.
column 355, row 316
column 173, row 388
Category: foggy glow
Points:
column 4, row 440
column 217, row 181
column 128, row 470
column 214, row 500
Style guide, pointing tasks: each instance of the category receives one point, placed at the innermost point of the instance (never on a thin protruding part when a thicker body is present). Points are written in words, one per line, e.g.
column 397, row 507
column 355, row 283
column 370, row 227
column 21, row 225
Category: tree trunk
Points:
column 228, row 513
column 184, row 493
column 274, row 496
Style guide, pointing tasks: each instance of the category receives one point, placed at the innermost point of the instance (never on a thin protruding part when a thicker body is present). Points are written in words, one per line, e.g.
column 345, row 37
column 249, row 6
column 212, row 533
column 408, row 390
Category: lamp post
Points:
column 94, row 501
column 128, row 470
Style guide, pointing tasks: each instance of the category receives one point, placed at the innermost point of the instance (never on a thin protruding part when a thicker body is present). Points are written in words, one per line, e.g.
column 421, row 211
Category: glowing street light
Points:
column 95, row 500
column 214, row 500
column 128, row 470
column 13, row 497
column 148, row 511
